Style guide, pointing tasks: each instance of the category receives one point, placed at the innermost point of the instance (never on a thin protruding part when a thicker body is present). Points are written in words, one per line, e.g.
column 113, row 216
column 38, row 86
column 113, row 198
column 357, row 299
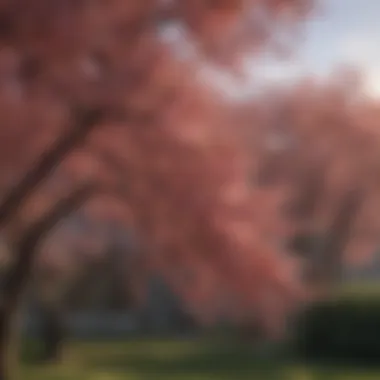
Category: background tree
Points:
column 320, row 141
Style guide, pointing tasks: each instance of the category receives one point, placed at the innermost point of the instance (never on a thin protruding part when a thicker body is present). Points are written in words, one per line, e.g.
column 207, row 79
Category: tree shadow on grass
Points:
column 31, row 352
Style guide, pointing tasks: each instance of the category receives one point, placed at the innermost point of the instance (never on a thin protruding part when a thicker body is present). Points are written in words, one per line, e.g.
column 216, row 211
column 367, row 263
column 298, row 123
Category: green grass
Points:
column 172, row 360
column 359, row 289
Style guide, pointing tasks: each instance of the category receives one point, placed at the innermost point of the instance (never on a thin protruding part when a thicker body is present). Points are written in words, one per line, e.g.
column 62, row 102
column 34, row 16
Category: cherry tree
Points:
column 328, row 163
column 98, row 111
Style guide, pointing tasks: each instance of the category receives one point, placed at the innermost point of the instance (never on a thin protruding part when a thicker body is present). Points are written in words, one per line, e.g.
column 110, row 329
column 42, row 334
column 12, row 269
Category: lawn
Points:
column 182, row 360
column 359, row 289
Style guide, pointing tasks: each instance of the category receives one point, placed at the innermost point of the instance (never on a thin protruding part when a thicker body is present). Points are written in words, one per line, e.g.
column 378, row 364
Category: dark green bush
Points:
column 344, row 329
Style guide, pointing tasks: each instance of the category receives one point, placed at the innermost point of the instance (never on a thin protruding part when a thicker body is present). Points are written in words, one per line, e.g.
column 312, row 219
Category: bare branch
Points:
column 85, row 122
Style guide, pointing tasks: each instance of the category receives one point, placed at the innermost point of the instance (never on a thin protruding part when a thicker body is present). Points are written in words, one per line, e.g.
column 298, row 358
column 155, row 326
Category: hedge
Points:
column 345, row 329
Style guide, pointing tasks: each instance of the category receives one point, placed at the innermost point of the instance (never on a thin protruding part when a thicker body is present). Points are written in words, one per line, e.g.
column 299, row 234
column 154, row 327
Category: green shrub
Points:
column 346, row 328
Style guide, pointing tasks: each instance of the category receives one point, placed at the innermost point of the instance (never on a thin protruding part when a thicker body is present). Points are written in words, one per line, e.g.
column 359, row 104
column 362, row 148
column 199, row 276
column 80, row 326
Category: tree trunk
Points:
column 53, row 333
column 17, row 277
column 251, row 333
column 14, row 287
column 326, row 272
column 10, row 336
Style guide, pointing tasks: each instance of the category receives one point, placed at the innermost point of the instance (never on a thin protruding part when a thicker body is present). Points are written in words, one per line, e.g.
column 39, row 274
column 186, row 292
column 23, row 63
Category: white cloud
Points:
column 362, row 51
column 373, row 82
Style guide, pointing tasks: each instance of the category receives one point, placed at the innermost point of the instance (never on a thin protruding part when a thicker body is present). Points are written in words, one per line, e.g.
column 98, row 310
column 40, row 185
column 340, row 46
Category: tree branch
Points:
column 109, row 159
column 116, row 165
column 25, row 249
column 86, row 121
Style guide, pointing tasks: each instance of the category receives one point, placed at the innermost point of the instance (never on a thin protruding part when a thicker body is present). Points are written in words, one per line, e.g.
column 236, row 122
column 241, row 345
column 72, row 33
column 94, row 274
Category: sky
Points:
column 344, row 31
column 341, row 32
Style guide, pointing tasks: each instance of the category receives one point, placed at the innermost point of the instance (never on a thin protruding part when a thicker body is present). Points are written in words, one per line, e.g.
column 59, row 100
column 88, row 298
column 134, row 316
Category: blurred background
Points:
column 189, row 189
